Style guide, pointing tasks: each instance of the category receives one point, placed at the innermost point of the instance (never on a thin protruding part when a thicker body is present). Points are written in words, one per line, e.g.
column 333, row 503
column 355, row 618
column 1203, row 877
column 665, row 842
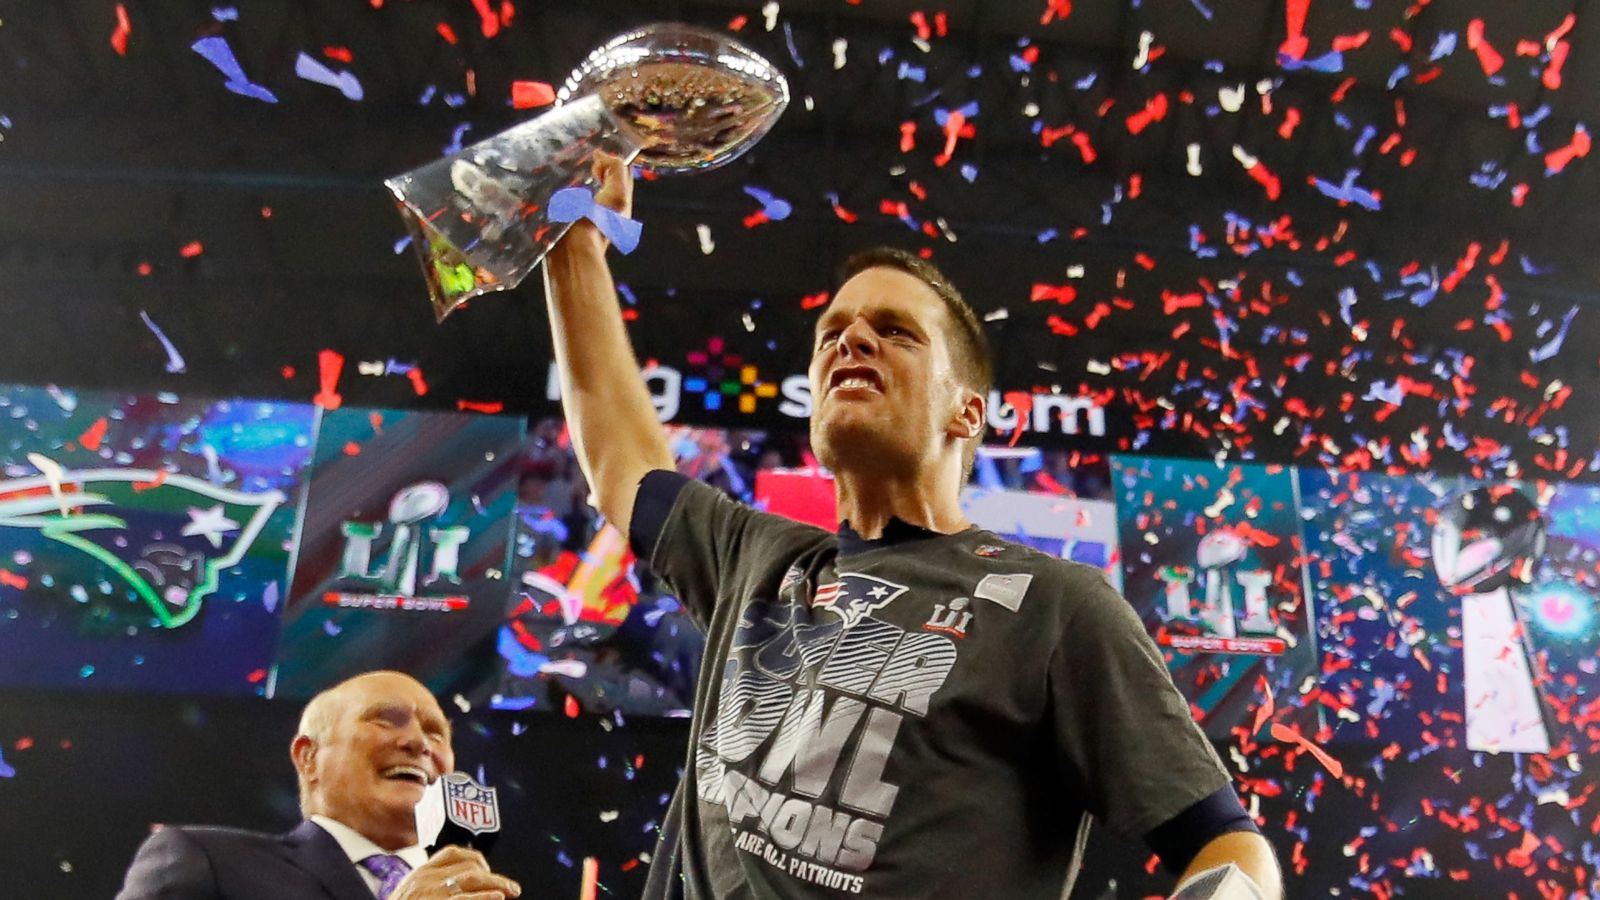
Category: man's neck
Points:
column 868, row 501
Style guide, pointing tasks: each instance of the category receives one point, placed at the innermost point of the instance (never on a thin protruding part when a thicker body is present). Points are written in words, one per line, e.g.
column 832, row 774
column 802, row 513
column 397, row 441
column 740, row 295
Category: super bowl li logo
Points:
column 417, row 544
column 1227, row 583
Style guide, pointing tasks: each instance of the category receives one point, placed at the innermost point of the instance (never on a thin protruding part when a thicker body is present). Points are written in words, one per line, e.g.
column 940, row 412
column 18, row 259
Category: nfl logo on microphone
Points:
column 470, row 804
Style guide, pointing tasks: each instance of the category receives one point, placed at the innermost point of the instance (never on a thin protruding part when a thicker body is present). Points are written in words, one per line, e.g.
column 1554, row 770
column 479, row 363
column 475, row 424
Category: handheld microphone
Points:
column 457, row 810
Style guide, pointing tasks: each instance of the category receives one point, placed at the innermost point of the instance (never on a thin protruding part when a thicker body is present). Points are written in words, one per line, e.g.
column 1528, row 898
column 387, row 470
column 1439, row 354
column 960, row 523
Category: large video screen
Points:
column 187, row 545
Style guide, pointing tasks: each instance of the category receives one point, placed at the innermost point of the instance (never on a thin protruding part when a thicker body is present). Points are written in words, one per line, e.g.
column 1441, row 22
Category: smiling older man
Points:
column 365, row 751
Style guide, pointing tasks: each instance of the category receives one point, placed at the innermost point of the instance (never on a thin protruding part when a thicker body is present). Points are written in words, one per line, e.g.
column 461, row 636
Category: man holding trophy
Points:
column 847, row 739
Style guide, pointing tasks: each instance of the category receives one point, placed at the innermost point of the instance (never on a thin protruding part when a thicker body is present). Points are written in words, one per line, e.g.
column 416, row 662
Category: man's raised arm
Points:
column 609, row 414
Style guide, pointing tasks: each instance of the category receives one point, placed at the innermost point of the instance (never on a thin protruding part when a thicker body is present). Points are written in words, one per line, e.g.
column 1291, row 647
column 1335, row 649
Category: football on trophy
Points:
column 1486, row 539
column 1222, row 547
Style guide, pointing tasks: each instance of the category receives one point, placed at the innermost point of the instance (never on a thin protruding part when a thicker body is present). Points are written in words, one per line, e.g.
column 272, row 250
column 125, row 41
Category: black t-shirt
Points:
column 923, row 716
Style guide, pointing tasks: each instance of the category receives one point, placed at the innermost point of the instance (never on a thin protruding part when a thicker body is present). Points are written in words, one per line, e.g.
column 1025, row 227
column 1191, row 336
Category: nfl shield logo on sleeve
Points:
column 470, row 804
column 1006, row 590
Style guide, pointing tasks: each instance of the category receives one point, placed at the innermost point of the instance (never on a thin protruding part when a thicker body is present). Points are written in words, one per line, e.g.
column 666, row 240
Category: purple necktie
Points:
column 389, row 869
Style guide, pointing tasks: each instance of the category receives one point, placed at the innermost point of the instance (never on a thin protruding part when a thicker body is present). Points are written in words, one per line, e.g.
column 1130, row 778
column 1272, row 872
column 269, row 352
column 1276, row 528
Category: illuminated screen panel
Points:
column 1453, row 612
column 404, row 548
column 590, row 628
column 1213, row 565
column 144, row 539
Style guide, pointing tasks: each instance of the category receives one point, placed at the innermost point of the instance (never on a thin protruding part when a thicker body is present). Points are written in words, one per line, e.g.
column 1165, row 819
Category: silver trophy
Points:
column 668, row 97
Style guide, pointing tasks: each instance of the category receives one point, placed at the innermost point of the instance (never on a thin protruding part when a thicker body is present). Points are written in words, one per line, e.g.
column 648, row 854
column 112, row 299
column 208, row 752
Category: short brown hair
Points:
column 969, row 347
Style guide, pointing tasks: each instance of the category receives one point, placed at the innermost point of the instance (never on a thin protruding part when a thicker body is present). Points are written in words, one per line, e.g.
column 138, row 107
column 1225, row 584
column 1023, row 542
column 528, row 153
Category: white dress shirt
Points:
column 358, row 846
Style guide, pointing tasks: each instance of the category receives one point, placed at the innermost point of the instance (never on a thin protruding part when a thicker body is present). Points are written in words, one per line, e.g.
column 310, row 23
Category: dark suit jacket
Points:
column 194, row 863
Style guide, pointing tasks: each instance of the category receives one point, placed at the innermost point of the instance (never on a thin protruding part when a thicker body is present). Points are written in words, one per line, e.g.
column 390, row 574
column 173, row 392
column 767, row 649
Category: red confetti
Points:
column 812, row 301
column 1081, row 140
column 1293, row 736
column 1155, row 109
column 1556, row 160
column 192, row 249
column 1344, row 43
column 1056, row 9
column 1294, row 43
column 477, row 406
column 1022, row 402
column 341, row 54
column 12, row 580
column 417, row 384
column 1266, row 179
column 1062, row 294
column 571, row 707
column 1171, row 302
column 1058, row 325
column 97, row 432
column 329, row 365
column 491, row 22
column 1488, row 57
column 955, row 127
column 531, row 94
column 1291, row 118
column 1551, row 78
column 1463, row 266
column 1264, row 711
column 446, row 32
column 920, row 21
column 119, row 38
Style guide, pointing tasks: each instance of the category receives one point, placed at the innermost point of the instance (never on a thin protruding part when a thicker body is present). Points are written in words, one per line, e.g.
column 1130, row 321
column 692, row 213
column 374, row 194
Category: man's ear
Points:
column 971, row 416
column 303, row 750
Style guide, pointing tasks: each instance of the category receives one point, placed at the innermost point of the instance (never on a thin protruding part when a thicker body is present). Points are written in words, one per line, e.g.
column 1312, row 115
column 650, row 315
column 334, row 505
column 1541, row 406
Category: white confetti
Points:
column 1231, row 98
column 1142, row 58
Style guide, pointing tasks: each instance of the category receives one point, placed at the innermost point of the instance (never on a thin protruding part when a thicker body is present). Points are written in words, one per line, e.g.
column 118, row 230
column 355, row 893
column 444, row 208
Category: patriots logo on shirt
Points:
column 855, row 596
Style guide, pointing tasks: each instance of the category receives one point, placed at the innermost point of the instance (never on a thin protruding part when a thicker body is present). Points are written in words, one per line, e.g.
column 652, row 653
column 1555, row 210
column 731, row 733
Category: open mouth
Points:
column 411, row 774
column 854, row 378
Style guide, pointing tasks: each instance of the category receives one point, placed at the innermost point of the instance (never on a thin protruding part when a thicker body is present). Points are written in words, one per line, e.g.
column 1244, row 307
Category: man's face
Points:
column 884, row 391
column 388, row 739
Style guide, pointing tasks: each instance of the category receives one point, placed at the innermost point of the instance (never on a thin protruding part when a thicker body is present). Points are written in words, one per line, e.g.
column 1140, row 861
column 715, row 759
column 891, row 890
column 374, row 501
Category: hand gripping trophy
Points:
column 669, row 97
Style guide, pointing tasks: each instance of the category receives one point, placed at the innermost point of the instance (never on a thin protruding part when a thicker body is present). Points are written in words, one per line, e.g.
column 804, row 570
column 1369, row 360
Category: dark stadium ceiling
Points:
column 112, row 163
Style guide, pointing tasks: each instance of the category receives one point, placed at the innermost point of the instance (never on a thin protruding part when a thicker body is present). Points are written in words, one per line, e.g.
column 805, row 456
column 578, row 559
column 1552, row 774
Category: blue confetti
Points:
column 216, row 50
column 313, row 70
